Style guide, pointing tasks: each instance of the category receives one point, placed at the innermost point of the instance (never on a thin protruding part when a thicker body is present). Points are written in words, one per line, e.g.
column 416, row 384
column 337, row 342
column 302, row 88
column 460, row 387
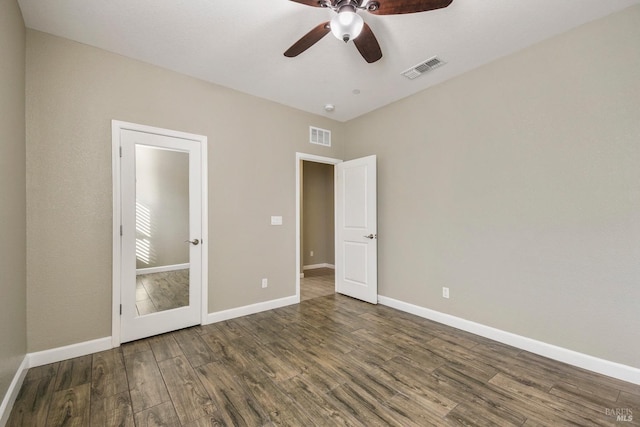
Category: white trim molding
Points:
column 581, row 360
column 204, row 268
column 162, row 269
column 13, row 390
column 58, row 354
column 314, row 266
column 246, row 310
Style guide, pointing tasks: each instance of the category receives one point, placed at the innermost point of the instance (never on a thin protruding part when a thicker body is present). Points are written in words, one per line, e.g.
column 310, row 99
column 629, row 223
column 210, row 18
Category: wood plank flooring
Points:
column 162, row 291
column 329, row 361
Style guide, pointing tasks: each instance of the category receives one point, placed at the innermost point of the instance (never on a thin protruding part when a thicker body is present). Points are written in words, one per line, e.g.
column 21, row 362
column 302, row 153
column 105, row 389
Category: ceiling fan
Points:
column 348, row 25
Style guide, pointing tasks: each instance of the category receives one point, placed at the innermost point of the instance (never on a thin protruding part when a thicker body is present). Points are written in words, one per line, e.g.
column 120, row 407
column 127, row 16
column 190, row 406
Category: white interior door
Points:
column 161, row 234
column 356, row 229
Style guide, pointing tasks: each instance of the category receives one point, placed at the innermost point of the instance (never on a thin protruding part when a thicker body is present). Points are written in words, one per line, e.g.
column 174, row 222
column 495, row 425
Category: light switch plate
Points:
column 276, row 220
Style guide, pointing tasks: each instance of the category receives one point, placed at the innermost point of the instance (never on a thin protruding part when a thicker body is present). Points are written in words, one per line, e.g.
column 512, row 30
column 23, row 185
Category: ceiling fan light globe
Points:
column 346, row 25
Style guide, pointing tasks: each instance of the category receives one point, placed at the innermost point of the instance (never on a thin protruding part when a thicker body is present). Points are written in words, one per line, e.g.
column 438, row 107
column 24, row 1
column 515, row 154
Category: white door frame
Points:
column 311, row 158
column 116, row 127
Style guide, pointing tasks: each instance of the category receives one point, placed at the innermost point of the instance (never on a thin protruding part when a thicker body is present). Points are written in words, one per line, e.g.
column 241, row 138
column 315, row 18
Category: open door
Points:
column 356, row 229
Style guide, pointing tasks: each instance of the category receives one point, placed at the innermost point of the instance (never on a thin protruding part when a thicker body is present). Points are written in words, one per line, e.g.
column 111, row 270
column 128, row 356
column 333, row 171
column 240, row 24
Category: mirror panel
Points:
column 162, row 229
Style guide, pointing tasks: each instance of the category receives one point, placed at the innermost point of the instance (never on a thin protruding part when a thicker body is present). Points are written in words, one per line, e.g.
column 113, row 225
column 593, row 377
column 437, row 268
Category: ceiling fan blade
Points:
column 395, row 7
column 367, row 45
column 314, row 3
column 308, row 40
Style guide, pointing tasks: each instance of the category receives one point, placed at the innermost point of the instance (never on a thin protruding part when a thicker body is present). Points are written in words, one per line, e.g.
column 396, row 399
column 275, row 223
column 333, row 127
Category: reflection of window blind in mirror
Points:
column 162, row 207
column 319, row 136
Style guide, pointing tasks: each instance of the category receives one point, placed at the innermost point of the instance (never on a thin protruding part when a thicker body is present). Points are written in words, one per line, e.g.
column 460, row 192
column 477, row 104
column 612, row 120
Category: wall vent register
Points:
column 319, row 136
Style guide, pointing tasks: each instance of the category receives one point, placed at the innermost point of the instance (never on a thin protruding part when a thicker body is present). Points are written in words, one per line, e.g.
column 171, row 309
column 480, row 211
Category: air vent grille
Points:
column 423, row 67
column 319, row 136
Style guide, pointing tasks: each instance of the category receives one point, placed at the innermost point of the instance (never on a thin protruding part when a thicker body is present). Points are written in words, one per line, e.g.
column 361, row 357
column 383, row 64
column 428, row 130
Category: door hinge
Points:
column 120, row 309
column 120, row 151
column 121, row 230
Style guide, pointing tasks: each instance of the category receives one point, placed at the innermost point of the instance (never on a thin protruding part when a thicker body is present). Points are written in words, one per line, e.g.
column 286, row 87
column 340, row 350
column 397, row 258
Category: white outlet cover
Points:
column 276, row 220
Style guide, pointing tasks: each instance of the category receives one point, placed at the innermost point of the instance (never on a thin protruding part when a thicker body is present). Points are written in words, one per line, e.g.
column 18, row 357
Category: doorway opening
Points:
column 317, row 223
column 355, row 225
column 315, row 226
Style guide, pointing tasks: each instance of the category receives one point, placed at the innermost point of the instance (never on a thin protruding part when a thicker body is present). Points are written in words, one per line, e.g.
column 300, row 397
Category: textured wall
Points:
column 73, row 93
column 516, row 185
column 13, row 304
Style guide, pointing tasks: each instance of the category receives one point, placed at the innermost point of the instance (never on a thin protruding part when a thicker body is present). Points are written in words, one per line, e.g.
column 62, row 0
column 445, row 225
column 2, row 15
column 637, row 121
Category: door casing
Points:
column 116, row 127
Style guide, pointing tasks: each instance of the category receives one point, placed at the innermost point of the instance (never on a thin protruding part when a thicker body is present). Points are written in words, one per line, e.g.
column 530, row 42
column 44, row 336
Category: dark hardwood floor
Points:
column 328, row 361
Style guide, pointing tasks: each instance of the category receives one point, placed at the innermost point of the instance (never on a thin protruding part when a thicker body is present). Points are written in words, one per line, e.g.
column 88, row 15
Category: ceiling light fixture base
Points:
column 346, row 24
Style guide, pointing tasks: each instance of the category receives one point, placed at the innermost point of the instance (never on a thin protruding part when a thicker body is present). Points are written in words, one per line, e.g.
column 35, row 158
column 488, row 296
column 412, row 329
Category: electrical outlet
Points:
column 265, row 283
column 445, row 292
column 311, row 253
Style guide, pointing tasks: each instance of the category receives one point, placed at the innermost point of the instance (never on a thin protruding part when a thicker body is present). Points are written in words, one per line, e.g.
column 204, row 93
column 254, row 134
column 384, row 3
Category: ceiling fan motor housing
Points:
column 346, row 24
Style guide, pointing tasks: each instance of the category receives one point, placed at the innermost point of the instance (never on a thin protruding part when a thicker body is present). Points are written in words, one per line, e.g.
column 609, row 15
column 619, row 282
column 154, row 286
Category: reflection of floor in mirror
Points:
column 317, row 283
column 162, row 291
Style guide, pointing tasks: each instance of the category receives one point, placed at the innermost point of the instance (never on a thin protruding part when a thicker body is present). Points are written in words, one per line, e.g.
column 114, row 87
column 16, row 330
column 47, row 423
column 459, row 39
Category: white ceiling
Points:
column 240, row 44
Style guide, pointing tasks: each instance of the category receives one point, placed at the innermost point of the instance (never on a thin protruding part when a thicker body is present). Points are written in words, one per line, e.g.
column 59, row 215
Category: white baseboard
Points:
column 314, row 266
column 12, row 391
column 162, row 268
column 101, row 344
column 53, row 355
column 581, row 360
column 232, row 313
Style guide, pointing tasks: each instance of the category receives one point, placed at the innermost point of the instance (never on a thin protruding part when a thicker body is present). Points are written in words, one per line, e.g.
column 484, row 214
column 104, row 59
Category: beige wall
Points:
column 517, row 186
column 73, row 93
column 317, row 202
column 162, row 207
column 13, row 304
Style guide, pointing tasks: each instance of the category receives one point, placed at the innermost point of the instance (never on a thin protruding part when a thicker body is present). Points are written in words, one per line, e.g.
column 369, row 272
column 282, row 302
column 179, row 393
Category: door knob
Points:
column 371, row 236
column 194, row 242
